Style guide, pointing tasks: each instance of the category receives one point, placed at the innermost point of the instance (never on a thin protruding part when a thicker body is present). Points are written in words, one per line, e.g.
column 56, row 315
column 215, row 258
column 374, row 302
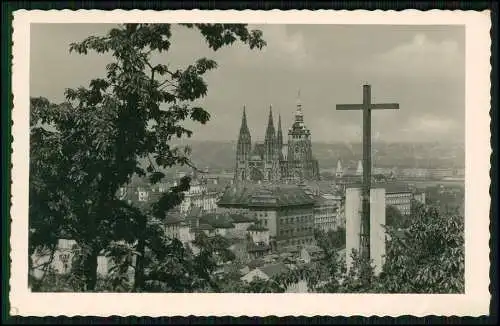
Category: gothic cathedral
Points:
column 274, row 161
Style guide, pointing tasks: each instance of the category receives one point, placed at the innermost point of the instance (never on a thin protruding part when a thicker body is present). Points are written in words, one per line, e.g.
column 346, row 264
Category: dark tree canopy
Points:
column 84, row 150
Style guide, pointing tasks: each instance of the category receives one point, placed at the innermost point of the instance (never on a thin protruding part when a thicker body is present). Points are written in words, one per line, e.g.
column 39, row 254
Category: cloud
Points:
column 284, row 47
column 430, row 125
column 421, row 57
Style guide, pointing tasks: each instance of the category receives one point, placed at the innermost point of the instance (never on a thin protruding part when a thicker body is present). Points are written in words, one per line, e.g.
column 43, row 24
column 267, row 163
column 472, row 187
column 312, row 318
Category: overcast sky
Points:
column 420, row 67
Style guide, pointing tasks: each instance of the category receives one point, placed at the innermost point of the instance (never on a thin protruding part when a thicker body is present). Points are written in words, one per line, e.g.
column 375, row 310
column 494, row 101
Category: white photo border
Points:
column 475, row 301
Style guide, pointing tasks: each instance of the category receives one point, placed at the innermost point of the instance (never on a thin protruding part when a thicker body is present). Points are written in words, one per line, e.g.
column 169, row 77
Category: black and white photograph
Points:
column 252, row 158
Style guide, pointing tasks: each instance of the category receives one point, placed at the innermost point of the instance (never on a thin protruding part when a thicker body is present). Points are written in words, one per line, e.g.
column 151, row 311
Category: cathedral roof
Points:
column 258, row 152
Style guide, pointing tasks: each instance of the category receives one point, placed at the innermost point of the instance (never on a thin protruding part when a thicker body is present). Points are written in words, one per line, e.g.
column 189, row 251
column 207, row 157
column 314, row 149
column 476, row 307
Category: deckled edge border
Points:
column 493, row 174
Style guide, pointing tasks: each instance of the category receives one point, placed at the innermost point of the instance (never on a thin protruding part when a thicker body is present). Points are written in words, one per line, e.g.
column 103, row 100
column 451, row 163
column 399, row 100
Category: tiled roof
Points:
column 258, row 247
column 218, row 221
column 172, row 219
column 236, row 194
column 255, row 227
column 255, row 263
column 272, row 270
column 207, row 227
column 323, row 186
column 266, row 196
column 240, row 218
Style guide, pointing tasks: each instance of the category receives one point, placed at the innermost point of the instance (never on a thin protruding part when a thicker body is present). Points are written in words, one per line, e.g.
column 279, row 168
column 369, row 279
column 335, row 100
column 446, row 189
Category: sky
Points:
column 420, row 67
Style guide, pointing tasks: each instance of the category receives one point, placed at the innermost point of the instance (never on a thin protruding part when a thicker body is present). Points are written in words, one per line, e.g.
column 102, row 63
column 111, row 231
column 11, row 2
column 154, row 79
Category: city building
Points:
column 419, row 196
column 265, row 272
column 172, row 225
column 61, row 260
column 325, row 214
column 259, row 234
column 397, row 195
column 273, row 160
column 268, row 271
column 200, row 196
column 417, row 173
column 339, row 171
column 285, row 209
column 441, row 173
column 241, row 224
column 257, row 250
column 186, row 236
column 221, row 223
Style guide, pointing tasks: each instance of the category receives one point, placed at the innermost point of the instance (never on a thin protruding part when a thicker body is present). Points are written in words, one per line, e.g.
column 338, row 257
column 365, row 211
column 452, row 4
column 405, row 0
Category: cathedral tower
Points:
column 301, row 164
column 243, row 149
column 270, row 138
column 279, row 139
column 271, row 157
column 273, row 160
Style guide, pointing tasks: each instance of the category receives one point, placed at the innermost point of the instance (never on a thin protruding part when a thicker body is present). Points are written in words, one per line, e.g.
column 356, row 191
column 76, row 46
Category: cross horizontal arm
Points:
column 381, row 106
column 349, row 106
column 385, row 106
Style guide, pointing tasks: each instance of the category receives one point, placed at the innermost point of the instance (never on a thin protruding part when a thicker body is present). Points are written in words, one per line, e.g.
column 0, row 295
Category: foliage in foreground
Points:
column 427, row 257
column 84, row 150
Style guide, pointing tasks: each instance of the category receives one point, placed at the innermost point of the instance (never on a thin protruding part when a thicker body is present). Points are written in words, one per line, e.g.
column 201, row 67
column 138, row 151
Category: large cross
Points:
column 367, row 107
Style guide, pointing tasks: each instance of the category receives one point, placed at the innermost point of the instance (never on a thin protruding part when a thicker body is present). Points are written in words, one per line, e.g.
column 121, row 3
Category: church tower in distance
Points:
column 243, row 149
column 301, row 164
column 272, row 160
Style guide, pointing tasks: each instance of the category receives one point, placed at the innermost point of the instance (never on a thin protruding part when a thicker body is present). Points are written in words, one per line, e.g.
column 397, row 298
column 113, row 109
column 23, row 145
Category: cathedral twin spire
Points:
column 244, row 145
column 270, row 139
column 270, row 132
column 279, row 135
column 268, row 161
column 273, row 140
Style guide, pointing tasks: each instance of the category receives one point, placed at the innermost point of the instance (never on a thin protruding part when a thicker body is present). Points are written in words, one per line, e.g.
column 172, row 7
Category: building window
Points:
column 143, row 195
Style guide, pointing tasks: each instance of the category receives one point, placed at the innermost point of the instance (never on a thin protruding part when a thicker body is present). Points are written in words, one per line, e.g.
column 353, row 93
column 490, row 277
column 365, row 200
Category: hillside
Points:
column 221, row 155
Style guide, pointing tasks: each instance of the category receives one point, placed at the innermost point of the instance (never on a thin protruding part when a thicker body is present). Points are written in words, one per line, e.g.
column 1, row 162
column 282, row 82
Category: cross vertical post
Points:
column 366, row 107
column 367, row 166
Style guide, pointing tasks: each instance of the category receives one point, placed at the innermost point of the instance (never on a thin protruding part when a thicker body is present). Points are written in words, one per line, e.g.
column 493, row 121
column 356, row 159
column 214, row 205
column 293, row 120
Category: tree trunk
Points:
column 139, row 262
column 90, row 271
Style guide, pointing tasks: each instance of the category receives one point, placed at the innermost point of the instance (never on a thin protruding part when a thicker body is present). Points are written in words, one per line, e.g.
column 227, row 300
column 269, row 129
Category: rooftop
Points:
column 253, row 247
column 272, row 270
column 217, row 221
column 240, row 218
column 268, row 195
column 255, row 227
column 255, row 263
column 172, row 219
column 204, row 226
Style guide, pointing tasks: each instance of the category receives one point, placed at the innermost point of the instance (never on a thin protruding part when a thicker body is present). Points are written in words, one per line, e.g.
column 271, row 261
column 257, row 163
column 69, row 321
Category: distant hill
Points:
column 219, row 155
